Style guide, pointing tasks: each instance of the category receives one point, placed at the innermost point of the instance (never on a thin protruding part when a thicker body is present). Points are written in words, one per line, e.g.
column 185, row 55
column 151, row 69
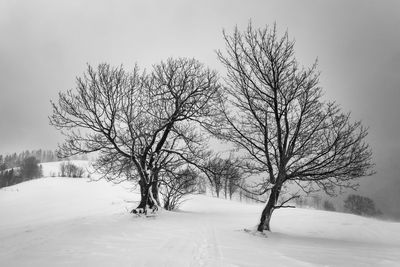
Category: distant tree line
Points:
column 15, row 160
column 20, row 167
column 360, row 205
column 29, row 169
column 354, row 204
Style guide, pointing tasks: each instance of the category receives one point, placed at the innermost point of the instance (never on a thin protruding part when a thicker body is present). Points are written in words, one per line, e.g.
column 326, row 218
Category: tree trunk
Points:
column 147, row 200
column 269, row 209
column 166, row 204
column 226, row 188
column 154, row 189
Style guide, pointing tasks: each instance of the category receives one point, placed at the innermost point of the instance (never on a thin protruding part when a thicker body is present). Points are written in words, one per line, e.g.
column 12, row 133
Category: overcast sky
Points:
column 45, row 44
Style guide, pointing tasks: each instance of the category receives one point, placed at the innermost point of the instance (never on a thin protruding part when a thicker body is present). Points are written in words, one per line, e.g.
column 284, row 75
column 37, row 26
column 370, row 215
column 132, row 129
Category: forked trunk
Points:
column 269, row 209
column 147, row 200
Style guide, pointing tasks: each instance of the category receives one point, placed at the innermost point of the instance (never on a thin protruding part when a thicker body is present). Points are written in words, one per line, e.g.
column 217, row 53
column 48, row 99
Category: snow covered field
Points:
column 73, row 222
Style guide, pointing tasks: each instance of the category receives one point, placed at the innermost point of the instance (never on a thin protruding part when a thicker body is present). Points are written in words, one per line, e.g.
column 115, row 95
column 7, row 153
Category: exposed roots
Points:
column 139, row 211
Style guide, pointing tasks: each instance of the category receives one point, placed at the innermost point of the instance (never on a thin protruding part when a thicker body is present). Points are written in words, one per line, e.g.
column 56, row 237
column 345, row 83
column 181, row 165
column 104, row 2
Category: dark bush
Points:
column 360, row 205
column 328, row 206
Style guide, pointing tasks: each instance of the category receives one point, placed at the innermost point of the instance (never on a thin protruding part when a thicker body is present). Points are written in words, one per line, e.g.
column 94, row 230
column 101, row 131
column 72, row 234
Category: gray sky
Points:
column 45, row 44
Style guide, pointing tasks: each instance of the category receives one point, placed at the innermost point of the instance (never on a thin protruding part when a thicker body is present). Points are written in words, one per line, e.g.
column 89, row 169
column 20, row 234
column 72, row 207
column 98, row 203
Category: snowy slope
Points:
column 73, row 222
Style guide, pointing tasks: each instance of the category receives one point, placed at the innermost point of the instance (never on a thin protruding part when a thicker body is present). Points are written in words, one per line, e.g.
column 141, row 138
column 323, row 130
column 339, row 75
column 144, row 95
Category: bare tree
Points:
column 276, row 116
column 232, row 178
column 137, row 122
column 176, row 184
column 214, row 170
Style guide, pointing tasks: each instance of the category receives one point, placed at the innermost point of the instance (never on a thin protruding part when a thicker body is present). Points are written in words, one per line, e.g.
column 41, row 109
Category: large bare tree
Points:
column 276, row 116
column 137, row 121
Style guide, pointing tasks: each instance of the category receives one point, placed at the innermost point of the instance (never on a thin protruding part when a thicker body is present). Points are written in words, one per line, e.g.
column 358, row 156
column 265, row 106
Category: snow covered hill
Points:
column 74, row 222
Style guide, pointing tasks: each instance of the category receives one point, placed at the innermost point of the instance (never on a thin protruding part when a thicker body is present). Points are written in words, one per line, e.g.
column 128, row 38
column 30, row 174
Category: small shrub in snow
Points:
column 176, row 185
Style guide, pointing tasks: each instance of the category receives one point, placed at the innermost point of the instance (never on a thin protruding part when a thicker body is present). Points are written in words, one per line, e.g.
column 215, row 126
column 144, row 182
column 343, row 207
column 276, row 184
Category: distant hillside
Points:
column 69, row 168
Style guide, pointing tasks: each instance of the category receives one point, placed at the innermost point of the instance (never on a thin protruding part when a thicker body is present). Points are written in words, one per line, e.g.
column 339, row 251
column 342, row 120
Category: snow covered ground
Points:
column 74, row 222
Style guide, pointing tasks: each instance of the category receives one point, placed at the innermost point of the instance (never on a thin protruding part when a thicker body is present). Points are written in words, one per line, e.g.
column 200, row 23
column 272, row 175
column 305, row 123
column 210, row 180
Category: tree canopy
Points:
column 138, row 122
